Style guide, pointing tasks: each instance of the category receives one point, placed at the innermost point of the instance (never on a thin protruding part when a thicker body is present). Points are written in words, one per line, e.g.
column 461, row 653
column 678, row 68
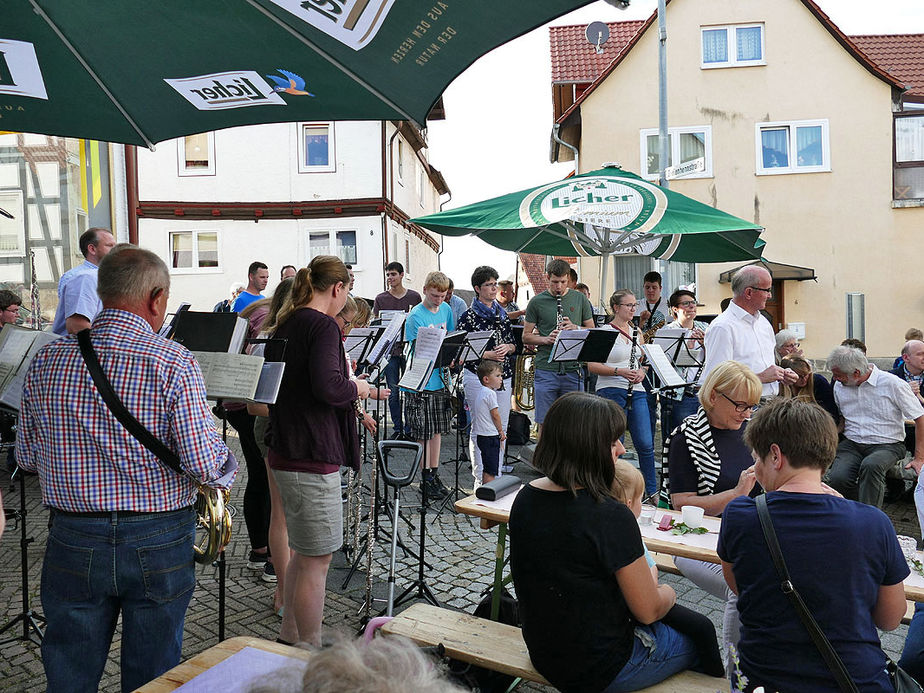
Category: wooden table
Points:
column 206, row 659
column 699, row 547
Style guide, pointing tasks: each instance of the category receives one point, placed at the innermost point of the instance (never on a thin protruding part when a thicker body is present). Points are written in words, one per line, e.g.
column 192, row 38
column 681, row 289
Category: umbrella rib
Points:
column 39, row 11
column 529, row 240
column 333, row 61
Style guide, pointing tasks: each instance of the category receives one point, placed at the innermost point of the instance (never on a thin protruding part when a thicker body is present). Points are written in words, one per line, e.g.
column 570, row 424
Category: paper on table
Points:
column 241, row 671
column 504, row 503
column 703, row 541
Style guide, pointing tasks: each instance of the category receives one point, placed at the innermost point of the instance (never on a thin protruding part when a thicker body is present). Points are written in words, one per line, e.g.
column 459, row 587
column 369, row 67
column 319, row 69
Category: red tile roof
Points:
column 901, row 55
column 576, row 60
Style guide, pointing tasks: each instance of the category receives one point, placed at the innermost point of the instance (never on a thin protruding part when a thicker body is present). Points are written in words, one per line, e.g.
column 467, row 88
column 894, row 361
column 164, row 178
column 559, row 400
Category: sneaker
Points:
column 256, row 561
column 269, row 572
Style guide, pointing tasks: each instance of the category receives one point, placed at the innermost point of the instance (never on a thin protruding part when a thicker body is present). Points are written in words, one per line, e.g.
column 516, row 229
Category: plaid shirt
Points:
column 86, row 460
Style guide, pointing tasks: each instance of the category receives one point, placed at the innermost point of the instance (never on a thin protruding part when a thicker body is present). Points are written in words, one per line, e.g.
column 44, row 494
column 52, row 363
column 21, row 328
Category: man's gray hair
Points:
column 745, row 278
column 847, row 360
column 129, row 274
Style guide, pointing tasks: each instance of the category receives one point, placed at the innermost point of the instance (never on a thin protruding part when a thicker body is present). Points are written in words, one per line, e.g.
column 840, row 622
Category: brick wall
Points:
column 534, row 266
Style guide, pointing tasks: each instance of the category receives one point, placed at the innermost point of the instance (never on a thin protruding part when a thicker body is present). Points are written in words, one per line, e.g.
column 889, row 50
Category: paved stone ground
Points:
column 459, row 552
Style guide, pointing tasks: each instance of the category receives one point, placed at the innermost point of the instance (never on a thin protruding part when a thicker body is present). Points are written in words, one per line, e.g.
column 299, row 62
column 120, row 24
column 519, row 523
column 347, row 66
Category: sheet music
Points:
column 391, row 335
column 426, row 349
column 12, row 391
column 475, row 345
column 354, row 342
column 667, row 338
column 662, row 365
column 270, row 380
column 13, row 349
column 568, row 344
column 386, row 316
column 229, row 376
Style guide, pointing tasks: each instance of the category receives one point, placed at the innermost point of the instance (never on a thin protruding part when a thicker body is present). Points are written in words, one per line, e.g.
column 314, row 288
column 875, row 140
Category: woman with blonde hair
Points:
column 312, row 433
column 707, row 464
column 810, row 387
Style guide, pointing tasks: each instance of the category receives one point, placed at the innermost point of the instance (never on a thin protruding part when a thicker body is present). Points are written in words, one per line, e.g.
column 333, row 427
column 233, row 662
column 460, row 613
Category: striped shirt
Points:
column 86, row 460
column 875, row 411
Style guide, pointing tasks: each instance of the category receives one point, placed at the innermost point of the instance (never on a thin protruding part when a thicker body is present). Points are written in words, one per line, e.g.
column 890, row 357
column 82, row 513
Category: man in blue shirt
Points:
column 257, row 277
column 78, row 303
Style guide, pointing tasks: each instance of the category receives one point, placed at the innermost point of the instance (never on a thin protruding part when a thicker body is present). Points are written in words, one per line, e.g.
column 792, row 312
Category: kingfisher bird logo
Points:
column 289, row 83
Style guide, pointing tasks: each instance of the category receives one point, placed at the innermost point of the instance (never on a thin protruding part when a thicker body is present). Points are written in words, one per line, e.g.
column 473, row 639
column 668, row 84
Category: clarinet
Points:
column 559, row 319
column 633, row 364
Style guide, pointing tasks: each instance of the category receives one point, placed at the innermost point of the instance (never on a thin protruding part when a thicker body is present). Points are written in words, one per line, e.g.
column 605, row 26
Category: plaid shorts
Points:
column 427, row 413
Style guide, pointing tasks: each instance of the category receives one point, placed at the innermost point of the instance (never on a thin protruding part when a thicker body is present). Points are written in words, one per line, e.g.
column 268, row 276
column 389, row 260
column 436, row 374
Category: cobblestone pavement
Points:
column 459, row 552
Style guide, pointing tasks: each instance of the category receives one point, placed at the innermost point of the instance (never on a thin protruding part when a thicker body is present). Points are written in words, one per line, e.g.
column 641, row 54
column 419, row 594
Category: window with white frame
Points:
column 316, row 148
column 798, row 146
column 908, row 167
column 193, row 251
column 734, row 45
column 686, row 144
column 341, row 243
column 196, row 154
column 12, row 231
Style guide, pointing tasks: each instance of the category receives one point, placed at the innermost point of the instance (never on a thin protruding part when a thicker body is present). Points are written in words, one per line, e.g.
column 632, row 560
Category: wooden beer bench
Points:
column 500, row 647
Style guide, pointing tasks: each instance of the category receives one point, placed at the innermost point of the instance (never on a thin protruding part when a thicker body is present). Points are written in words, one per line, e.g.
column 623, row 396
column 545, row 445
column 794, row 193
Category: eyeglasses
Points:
column 628, row 305
column 686, row 304
column 740, row 407
column 757, row 288
column 489, row 285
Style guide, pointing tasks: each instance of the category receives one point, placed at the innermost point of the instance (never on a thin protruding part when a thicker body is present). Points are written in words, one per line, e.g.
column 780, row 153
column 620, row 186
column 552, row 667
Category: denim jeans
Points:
column 393, row 371
column 95, row 568
column 658, row 652
column 912, row 659
column 639, row 424
column 550, row 385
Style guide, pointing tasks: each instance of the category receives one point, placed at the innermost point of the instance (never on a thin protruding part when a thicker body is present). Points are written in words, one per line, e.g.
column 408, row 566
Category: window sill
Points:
column 722, row 66
column 900, row 204
column 789, row 171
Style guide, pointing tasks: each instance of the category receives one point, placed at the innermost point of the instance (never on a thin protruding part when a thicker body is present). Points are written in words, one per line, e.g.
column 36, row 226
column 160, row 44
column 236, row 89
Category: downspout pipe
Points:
column 577, row 166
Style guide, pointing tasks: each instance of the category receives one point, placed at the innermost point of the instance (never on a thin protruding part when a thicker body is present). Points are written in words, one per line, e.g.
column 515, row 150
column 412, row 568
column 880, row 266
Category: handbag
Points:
column 210, row 503
column 900, row 679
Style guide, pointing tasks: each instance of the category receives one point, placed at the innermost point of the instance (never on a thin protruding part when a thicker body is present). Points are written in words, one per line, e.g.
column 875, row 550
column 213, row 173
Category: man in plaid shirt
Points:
column 123, row 527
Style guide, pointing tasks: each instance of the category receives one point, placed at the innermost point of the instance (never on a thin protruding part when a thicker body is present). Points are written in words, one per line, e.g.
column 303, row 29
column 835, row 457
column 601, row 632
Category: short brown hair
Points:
column 437, row 280
column 576, row 447
column 804, row 432
column 487, row 366
column 914, row 333
column 558, row 268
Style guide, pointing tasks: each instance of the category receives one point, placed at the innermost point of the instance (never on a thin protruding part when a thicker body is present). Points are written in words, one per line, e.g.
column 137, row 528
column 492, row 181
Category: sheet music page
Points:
column 662, row 365
column 388, row 315
column 391, row 334
column 476, row 343
column 568, row 344
column 354, row 341
column 229, row 376
column 12, row 392
column 426, row 349
column 270, row 380
column 14, row 345
column 667, row 338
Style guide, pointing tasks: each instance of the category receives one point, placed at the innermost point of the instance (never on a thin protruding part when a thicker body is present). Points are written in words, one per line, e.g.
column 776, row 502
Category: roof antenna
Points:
column 597, row 33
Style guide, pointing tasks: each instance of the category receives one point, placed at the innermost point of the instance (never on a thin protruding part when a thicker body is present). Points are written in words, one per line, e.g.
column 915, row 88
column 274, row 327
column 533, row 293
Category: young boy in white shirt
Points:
column 486, row 421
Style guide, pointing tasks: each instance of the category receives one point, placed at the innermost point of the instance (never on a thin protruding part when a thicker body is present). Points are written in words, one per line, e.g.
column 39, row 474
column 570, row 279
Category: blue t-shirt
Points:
column 838, row 552
column 77, row 296
column 419, row 317
column 244, row 300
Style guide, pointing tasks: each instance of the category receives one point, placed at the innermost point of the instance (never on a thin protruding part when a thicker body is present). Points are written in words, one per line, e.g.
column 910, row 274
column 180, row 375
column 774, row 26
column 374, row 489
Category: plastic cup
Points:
column 909, row 546
column 647, row 516
column 692, row 515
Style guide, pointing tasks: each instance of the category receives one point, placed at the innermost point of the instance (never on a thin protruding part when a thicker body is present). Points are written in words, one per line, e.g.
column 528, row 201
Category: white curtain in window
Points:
column 692, row 146
column 181, row 247
column 319, row 244
column 654, row 155
column 748, row 40
column 808, row 146
column 909, row 139
column 208, row 249
column 775, row 147
column 715, row 45
column 346, row 246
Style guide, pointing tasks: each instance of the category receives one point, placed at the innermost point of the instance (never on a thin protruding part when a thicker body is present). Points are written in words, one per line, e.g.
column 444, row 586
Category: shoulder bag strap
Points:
column 131, row 424
column 811, row 625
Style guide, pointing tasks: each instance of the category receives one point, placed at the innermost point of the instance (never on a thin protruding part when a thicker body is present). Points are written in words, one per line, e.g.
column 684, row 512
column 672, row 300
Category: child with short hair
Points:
column 486, row 420
column 629, row 488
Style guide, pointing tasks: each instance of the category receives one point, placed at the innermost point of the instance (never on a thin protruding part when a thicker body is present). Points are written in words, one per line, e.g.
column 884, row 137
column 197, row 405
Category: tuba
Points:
column 523, row 382
column 213, row 524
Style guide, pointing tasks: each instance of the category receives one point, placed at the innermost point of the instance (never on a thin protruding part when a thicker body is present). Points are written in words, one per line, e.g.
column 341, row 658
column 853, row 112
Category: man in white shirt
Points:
column 742, row 334
column 874, row 405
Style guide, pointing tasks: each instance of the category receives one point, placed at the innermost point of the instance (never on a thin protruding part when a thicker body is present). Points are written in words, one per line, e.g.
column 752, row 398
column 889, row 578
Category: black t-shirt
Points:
column 731, row 449
column 564, row 554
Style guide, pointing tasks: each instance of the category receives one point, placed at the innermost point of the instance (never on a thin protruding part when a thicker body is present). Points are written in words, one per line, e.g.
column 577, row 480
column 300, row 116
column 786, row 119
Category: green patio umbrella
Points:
column 140, row 72
column 608, row 213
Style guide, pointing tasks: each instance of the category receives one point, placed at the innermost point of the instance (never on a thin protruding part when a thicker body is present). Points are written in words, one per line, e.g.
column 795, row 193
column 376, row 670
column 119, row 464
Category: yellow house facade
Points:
column 796, row 127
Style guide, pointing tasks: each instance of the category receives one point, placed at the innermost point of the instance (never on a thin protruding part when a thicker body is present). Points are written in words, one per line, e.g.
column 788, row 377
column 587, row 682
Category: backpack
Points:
column 518, row 429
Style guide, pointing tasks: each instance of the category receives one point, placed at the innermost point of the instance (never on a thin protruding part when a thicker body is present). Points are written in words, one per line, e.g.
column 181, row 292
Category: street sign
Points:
column 695, row 166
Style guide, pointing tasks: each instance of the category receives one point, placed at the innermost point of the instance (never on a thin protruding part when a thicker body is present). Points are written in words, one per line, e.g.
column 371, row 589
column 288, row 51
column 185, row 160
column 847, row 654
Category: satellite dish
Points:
column 597, row 33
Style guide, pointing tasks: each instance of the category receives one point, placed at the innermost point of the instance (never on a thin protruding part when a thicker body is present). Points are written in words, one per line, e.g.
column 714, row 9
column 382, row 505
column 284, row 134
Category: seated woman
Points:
column 787, row 344
column 589, row 605
column 620, row 380
column 858, row 589
column 810, row 387
column 707, row 464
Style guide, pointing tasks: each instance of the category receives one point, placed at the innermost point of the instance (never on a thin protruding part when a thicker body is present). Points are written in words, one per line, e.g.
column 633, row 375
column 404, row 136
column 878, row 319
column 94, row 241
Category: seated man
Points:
column 874, row 406
column 910, row 368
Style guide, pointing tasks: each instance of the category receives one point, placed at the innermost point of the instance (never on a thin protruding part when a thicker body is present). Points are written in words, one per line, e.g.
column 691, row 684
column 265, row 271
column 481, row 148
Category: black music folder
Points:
column 223, row 332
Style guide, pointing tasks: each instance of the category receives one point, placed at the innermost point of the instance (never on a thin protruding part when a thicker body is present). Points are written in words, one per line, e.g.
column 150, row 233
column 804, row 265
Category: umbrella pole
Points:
column 604, row 258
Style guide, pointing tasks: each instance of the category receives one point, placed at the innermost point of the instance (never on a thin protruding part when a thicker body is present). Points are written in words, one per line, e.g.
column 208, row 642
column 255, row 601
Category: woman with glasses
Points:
column 787, row 345
column 620, row 380
column 708, row 465
column 683, row 307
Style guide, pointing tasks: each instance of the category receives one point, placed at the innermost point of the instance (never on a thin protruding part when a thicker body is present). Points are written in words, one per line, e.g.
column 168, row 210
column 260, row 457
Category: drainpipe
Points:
column 555, row 129
column 439, row 255
column 391, row 192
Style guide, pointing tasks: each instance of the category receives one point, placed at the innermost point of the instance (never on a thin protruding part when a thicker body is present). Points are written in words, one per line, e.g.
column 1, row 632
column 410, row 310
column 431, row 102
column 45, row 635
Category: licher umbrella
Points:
column 608, row 212
column 141, row 72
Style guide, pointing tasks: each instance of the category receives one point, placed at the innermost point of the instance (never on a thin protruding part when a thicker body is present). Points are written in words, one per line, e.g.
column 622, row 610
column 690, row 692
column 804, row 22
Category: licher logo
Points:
column 20, row 74
column 289, row 83
column 223, row 90
column 352, row 22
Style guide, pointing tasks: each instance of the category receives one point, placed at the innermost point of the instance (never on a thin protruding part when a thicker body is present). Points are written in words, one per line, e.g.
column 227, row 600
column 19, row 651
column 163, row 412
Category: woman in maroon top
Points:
column 312, row 433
